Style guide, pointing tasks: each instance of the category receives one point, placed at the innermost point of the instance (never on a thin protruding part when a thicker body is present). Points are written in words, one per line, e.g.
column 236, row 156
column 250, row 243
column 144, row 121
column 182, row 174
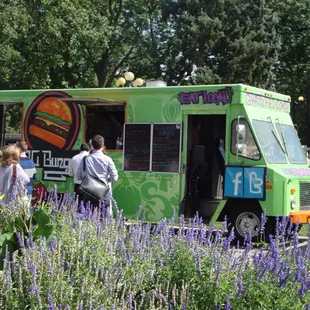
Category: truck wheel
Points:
column 245, row 219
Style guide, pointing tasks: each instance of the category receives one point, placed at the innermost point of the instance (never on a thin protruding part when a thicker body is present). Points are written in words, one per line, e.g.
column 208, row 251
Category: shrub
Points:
column 93, row 261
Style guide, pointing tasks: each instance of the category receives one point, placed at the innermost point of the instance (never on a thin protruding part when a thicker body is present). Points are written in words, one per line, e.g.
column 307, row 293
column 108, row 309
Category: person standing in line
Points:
column 308, row 158
column 74, row 164
column 28, row 165
column 100, row 166
column 10, row 158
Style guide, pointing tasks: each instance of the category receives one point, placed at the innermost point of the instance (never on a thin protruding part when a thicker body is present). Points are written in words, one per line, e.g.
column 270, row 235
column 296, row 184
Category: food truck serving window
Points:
column 103, row 117
column 269, row 141
column 106, row 120
column 249, row 149
column 152, row 147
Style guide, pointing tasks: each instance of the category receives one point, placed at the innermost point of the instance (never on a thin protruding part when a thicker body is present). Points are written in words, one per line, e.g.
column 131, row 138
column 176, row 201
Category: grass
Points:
column 304, row 230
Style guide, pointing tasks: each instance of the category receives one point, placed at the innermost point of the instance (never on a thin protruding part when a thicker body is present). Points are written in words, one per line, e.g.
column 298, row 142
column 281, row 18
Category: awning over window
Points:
column 92, row 101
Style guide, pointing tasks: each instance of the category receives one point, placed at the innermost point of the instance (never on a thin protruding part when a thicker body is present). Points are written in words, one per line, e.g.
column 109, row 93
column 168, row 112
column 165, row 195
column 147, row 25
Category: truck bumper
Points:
column 300, row 217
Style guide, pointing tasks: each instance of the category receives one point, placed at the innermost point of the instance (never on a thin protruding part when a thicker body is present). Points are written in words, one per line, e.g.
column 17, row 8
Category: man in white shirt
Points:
column 74, row 165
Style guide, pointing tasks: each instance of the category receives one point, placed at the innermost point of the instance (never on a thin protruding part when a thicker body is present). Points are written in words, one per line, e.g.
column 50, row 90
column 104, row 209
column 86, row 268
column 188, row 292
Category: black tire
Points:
column 245, row 218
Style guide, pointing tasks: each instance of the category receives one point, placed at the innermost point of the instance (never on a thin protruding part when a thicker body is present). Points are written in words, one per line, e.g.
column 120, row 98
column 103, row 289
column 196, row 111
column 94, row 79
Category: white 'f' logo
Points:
column 237, row 182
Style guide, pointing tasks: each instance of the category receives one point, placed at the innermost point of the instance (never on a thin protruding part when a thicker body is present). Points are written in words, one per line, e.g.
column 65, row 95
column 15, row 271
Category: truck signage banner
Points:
column 224, row 96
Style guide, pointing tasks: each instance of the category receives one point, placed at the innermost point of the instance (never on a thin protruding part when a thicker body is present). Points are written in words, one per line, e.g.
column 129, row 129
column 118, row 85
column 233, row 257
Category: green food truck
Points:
column 219, row 150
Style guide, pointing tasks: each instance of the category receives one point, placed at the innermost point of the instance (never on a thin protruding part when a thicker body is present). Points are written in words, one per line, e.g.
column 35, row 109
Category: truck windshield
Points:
column 270, row 145
column 292, row 144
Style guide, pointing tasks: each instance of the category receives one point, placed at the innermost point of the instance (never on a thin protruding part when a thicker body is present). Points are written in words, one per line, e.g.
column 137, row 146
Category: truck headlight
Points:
column 293, row 202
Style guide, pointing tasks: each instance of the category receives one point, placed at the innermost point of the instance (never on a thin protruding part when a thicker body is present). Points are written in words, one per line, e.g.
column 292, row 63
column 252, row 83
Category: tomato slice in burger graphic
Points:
column 51, row 121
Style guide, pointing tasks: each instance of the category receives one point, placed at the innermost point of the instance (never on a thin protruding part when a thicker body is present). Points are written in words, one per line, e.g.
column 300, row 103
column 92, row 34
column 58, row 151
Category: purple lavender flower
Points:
column 198, row 261
column 138, row 212
column 227, row 304
column 128, row 258
column 131, row 301
column 20, row 240
column 301, row 269
column 31, row 267
column 52, row 245
column 33, row 289
column 29, row 241
column 284, row 274
column 239, row 286
column 263, row 222
column 50, row 303
column 68, row 266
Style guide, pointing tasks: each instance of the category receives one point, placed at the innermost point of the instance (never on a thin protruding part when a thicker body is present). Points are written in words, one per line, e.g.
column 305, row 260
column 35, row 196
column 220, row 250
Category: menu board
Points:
column 137, row 147
column 166, row 146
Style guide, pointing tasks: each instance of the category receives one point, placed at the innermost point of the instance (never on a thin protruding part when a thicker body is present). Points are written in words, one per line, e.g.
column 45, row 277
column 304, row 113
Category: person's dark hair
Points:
column 97, row 142
column 85, row 147
column 22, row 145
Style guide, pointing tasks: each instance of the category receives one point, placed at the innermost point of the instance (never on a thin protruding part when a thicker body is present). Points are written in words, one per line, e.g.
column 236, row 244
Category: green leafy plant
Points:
column 35, row 222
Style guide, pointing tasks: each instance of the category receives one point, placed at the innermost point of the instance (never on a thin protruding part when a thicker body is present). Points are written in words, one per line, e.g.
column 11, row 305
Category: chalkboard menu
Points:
column 137, row 147
column 166, row 148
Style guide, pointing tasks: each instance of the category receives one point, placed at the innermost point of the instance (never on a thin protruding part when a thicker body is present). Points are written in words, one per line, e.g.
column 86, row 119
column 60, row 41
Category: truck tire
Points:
column 245, row 218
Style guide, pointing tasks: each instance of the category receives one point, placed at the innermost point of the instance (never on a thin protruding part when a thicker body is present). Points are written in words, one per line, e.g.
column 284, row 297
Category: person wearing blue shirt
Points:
column 28, row 165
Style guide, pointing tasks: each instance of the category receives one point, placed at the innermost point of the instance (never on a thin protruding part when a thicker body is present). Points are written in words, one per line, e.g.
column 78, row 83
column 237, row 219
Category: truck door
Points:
column 205, row 161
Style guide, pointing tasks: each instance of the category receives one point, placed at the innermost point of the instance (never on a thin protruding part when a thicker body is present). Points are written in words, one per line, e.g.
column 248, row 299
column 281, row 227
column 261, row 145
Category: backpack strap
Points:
column 14, row 174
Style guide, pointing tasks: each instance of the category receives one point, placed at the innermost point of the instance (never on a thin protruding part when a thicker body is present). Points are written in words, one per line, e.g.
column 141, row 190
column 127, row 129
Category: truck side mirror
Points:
column 241, row 133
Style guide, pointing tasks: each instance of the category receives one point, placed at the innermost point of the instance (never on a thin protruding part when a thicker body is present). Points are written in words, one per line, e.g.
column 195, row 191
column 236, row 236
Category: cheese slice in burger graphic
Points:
column 52, row 121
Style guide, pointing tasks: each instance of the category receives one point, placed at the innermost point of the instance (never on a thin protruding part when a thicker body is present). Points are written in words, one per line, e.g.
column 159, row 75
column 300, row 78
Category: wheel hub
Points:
column 247, row 221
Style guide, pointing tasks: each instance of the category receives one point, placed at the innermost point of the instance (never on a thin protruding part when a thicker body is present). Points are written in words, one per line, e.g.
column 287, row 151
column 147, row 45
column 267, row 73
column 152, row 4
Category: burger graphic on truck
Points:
column 52, row 122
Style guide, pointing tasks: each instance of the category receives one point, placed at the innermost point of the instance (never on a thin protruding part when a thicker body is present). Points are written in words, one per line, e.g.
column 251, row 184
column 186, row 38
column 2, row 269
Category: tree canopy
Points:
column 88, row 43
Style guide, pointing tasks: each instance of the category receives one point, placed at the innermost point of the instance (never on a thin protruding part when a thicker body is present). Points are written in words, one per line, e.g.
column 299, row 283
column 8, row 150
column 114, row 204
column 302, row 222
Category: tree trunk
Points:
column 101, row 70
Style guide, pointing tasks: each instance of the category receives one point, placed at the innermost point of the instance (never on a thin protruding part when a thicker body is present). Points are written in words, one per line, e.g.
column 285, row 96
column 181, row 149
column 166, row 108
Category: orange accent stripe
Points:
column 301, row 217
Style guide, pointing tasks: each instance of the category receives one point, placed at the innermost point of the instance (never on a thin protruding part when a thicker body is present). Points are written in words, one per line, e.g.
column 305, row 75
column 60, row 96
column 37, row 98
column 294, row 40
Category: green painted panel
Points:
column 158, row 194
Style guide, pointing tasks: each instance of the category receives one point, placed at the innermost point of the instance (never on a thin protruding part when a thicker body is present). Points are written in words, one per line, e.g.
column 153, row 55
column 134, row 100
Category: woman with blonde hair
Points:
column 13, row 178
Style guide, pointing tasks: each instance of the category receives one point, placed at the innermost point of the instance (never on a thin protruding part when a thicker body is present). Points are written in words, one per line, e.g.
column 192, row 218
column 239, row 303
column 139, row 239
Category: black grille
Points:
column 304, row 195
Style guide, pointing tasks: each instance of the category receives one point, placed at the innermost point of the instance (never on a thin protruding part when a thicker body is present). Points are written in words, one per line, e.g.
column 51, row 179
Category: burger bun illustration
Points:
column 52, row 122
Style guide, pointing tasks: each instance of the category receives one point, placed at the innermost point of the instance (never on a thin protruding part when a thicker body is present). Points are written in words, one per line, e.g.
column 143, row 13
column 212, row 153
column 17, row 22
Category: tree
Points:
column 293, row 67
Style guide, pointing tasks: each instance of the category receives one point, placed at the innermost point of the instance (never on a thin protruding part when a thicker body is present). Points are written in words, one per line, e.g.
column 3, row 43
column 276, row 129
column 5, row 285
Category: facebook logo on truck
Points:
column 245, row 182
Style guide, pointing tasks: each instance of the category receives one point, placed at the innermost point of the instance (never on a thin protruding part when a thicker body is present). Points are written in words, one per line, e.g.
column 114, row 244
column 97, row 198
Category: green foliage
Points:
column 33, row 223
column 95, row 261
column 61, row 44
